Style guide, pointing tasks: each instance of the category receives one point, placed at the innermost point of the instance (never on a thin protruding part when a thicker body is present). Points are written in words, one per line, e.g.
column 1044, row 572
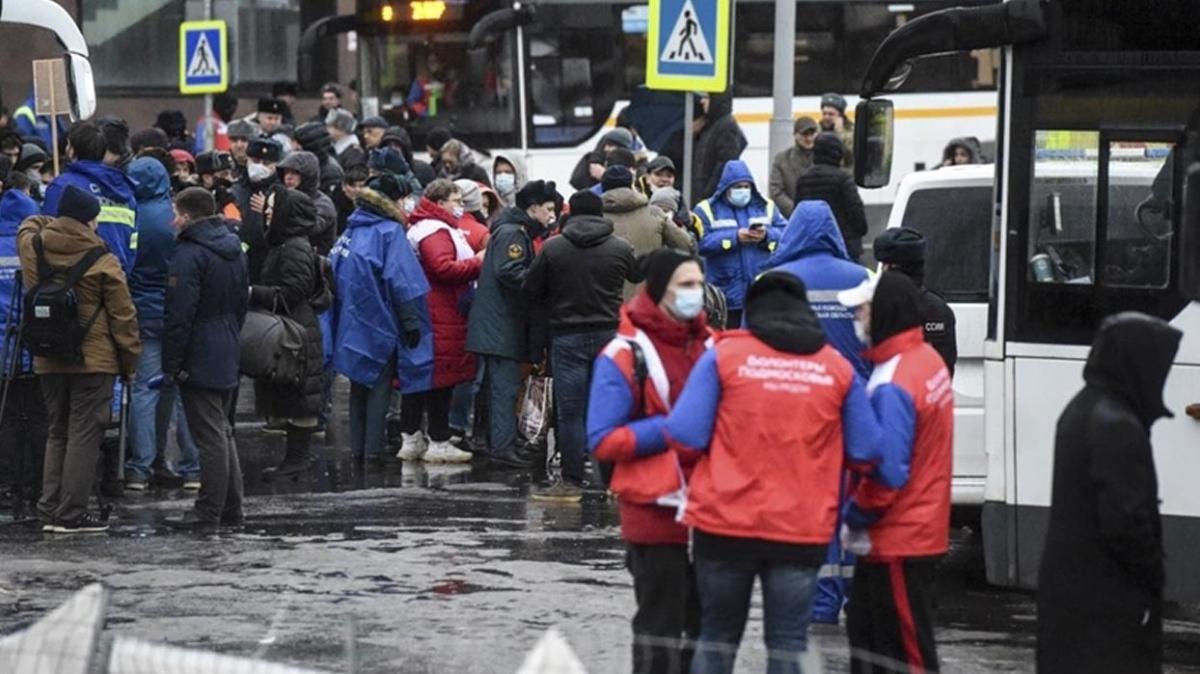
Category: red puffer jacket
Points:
column 451, row 268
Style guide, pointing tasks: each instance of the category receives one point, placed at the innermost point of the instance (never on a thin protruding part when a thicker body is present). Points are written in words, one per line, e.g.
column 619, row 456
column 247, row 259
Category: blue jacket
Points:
column 15, row 206
column 381, row 293
column 27, row 123
column 812, row 248
column 206, row 305
column 730, row 265
column 155, row 243
column 118, row 205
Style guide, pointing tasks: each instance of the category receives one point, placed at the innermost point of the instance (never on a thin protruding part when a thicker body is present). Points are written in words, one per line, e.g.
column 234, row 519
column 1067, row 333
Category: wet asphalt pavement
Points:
column 426, row 569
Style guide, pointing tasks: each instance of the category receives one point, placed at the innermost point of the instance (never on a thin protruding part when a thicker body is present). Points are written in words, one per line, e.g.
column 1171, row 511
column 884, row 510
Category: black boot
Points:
column 298, row 458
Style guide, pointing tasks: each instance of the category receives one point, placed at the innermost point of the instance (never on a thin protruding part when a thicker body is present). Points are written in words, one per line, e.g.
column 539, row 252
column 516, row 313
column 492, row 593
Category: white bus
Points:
column 546, row 78
column 1115, row 91
column 51, row 16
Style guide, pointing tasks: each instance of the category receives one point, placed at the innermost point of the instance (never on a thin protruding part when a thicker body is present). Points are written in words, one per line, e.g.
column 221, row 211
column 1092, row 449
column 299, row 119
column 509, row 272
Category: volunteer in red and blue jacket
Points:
column 95, row 152
column 739, row 229
column 23, row 428
column 778, row 413
column 380, row 327
column 665, row 322
column 898, row 518
column 812, row 249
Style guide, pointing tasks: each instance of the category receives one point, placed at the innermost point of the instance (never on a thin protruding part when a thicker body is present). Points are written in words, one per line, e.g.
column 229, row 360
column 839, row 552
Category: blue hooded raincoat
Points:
column 118, row 205
column 380, row 290
column 15, row 206
column 729, row 264
column 155, row 243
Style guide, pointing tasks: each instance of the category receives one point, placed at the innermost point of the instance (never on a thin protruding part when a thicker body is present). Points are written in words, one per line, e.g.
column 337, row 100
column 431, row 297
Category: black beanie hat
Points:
column 900, row 246
column 78, row 205
column 390, row 186
column 658, row 266
column 615, row 177
column 265, row 149
column 585, row 202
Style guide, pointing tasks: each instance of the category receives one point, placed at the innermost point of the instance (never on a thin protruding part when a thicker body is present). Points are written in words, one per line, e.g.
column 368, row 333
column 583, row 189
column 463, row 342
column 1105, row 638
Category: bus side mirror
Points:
column 1189, row 235
column 873, row 137
column 81, row 86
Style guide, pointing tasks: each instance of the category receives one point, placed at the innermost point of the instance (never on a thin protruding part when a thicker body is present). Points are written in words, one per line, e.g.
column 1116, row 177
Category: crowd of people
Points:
column 758, row 402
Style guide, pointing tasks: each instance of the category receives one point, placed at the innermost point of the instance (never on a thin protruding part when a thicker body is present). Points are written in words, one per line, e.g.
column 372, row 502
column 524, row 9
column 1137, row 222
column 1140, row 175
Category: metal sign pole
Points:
column 688, row 103
column 209, row 141
column 785, row 64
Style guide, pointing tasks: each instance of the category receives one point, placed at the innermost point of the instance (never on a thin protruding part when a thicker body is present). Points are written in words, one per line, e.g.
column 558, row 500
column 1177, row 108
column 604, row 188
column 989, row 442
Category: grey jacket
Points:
column 786, row 169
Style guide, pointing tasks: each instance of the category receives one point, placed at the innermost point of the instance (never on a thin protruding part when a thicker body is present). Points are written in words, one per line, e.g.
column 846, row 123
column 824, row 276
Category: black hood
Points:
column 719, row 105
column 1131, row 358
column 828, row 149
column 778, row 313
column 586, row 231
column 895, row 307
column 517, row 216
column 215, row 234
column 308, row 166
column 294, row 215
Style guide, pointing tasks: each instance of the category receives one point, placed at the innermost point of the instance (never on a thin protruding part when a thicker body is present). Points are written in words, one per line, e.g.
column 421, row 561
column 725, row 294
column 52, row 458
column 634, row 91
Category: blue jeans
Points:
column 571, row 358
column 464, row 400
column 725, row 588
column 368, row 415
column 503, row 381
column 143, row 432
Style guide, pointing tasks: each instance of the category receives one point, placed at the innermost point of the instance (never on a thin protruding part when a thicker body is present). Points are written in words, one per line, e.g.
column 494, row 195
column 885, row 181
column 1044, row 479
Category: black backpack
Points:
column 51, row 308
column 605, row 468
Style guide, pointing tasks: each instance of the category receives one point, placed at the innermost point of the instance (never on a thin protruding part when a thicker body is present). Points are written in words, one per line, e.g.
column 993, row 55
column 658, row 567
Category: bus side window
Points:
column 1062, row 207
column 1138, row 230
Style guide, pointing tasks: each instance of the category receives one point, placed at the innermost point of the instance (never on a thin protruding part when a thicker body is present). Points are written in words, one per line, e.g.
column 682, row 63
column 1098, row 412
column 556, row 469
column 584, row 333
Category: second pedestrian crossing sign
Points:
column 203, row 57
column 687, row 45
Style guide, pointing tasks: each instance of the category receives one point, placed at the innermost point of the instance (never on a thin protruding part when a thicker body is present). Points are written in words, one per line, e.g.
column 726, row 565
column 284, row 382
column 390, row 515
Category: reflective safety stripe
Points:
column 245, row 247
column 9, row 262
column 133, row 240
column 770, row 211
column 706, row 208
column 823, row 296
column 118, row 215
column 836, row 570
column 25, row 111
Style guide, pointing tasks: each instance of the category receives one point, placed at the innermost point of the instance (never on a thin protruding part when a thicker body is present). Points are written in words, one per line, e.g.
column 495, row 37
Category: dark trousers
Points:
column 368, row 415
column 725, row 589
column 890, row 617
column 78, row 408
column 207, row 413
column 571, row 357
column 667, row 621
column 436, row 404
column 23, row 438
column 502, row 382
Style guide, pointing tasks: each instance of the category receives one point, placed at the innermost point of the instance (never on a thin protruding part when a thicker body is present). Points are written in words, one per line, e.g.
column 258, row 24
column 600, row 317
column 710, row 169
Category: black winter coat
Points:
column 499, row 323
column 827, row 181
column 941, row 330
column 720, row 141
column 253, row 230
column 1100, row 586
column 205, row 306
column 288, row 282
column 579, row 276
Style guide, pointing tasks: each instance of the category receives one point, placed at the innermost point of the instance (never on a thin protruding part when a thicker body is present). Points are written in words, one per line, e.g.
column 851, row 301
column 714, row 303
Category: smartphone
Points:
column 757, row 226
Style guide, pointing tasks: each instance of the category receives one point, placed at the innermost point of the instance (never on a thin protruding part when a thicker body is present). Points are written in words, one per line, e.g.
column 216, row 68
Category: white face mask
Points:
column 862, row 332
column 457, row 211
column 739, row 197
column 257, row 172
column 688, row 304
column 505, row 183
column 410, row 204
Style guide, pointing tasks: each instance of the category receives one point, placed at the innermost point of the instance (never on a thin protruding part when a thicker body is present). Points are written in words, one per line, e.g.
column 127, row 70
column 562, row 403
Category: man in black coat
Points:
column 498, row 329
column 903, row 249
column 827, row 181
column 262, row 158
column 205, row 307
column 579, row 278
column 720, row 139
column 1100, row 587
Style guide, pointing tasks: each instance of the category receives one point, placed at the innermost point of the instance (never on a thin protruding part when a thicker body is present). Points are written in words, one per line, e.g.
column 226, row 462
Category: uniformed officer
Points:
column 903, row 249
column 499, row 326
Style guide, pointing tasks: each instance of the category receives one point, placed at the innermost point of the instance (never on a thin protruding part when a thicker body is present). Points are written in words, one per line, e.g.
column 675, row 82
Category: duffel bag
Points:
column 272, row 348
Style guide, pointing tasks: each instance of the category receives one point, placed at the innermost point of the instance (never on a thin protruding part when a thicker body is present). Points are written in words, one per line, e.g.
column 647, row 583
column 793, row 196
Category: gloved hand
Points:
column 856, row 541
column 412, row 338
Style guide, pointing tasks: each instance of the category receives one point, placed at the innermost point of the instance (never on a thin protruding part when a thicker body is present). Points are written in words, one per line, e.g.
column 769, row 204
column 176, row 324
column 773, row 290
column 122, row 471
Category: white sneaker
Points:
column 413, row 446
column 444, row 452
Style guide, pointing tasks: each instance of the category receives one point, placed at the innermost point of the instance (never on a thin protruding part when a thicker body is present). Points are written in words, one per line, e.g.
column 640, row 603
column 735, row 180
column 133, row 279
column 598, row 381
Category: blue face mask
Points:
column 689, row 302
column 505, row 183
column 739, row 197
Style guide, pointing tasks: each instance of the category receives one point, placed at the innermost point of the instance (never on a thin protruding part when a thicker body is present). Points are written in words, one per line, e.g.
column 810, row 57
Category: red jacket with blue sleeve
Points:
column 625, row 421
column 905, row 501
column 777, row 428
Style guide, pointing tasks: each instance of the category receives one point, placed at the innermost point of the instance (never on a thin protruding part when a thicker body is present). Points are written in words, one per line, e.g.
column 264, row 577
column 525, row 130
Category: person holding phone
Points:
column 739, row 229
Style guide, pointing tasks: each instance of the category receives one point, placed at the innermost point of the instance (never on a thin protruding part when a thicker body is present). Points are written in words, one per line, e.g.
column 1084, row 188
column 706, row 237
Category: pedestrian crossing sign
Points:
column 203, row 57
column 687, row 45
